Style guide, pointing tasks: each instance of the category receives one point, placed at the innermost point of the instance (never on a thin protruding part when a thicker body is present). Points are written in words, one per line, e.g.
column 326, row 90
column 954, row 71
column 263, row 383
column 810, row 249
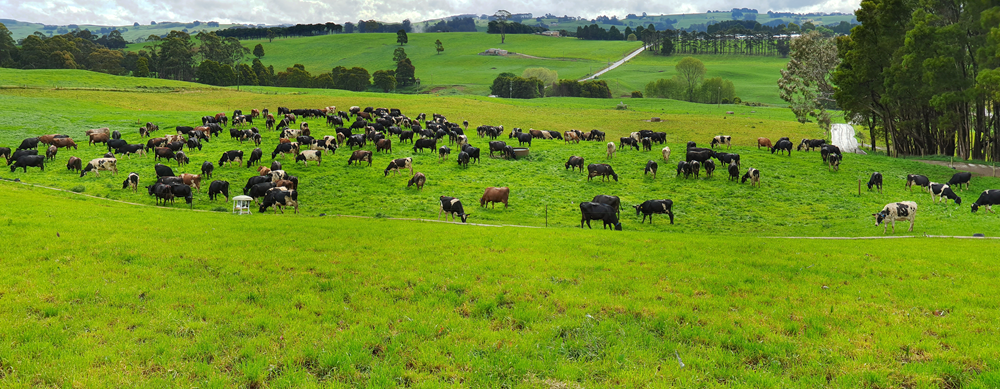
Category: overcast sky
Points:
column 124, row 12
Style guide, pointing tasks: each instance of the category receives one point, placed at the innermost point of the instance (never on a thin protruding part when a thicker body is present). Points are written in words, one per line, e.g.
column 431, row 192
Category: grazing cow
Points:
column 104, row 130
column 264, row 171
column 98, row 164
column 5, row 152
column 255, row 157
column 26, row 161
column 961, row 178
column 29, row 143
column 401, row 163
column 600, row 169
column 131, row 181
column 360, row 155
column 598, row 211
column 575, row 162
column 418, row 179
column 463, row 159
column 917, row 179
column 494, row 195
column 753, row 175
column 383, row 145
column 206, row 169
column 699, row 154
column 192, row 180
column 162, row 192
column 535, row 133
column 181, row 158
column 150, row 144
column 260, row 190
column 683, row 167
column 230, row 157
column 277, row 175
column 612, row 201
column 163, row 170
column 497, row 145
column 183, row 191
column 452, row 206
column 834, row 162
column 47, row 139
column 310, row 155
column 193, row 143
column 727, row 158
column 826, row 151
column 284, row 148
column 943, row 191
column 406, row 135
column 709, row 168
column 988, row 198
column 50, row 153
column 109, row 155
column 74, row 163
column 627, row 141
column 596, row 135
column 763, row 142
column 650, row 207
column 695, row 167
column 218, row 187
column 611, row 149
column 875, row 181
column 425, row 144
column 462, row 140
column 904, row 210
column 650, row 167
column 666, row 153
column 275, row 165
column 176, row 146
column 443, row 152
column 278, row 199
column 523, row 138
column 116, row 144
column 783, row 145
column 98, row 138
column 163, row 153
column 254, row 181
column 734, row 172
column 508, row 152
column 809, row 144
column 570, row 136
column 647, row 144
column 128, row 150
column 720, row 140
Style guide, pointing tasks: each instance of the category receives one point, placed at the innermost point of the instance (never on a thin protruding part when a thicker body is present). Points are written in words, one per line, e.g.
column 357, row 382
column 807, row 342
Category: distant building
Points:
column 494, row 52
column 550, row 33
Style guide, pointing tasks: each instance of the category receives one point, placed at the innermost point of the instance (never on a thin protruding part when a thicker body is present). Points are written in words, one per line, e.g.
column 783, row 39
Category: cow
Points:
column 698, row 154
column 383, row 145
column 727, row 158
column 709, row 168
column 116, row 144
column 763, row 142
column 612, row 201
column 26, row 161
column 206, row 169
column 988, row 198
column 720, row 140
column 452, row 206
column 5, row 152
column 176, row 146
column 255, row 157
column 611, row 150
column 150, row 144
column 128, row 150
column 284, row 148
column 360, row 155
column 163, row 170
column 494, row 195
column 401, row 163
column 29, row 143
column 596, row 135
column 650, row 207
column 131, row 181
column 181, row 158
column 193, row 143
column 904, row 210
column 625, row 142
column 917, row 179
column 406, row 135
column 74, row 163
column 310, row 155
column 753, row 175
column 691, row 144
column 275, row 165
column 497, row 145
column 650, row 167
column 647, row 144
column 508, row 152
column 260, row 190
column 734, row 172
column 875, row 181
column 463, row 159
column 536, row 133
column 809, row 144
column 98, row 164
column 575, row 162
column 163, row 153
column 418, row 179
column 943, row 191
column 109, row 155
column 50, row 153
column 695, row 167
column 425, row 144
column 443, row 152
column 277, row 175
column 104, row 130
column 782, row 145
column 162, row 192
column 116, row 134
column 834, row 162
column 961, row 178
column 600, row 169
column 230, row 157
column 278, row 199
column 666, row 153
column 571, row 136
column 462, row 140
column 523, row 138
column 192, row 180
column 98, row 138
column 598, row 211
column 683, row 167
column 218, row 187
column 264, row 171
column 254, row 181
column 183, row 191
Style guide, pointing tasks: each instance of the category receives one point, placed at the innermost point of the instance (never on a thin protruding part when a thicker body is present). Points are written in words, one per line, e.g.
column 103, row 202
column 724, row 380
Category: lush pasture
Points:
column 799, row 195
column 100, row 294
column 19, row 30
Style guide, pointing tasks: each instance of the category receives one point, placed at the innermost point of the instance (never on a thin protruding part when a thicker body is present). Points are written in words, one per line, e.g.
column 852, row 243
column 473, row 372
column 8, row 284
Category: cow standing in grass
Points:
column 597, row 211
column 904, row 210
column 875, row 181
column 650, row 207
column 988, row 198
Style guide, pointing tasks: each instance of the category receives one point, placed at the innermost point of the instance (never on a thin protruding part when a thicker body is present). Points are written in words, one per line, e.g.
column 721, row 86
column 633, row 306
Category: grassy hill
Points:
column 19, row 29
column 683, row 21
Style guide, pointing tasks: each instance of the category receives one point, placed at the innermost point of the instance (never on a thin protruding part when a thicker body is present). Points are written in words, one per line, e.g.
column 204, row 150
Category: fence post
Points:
column 859, row 187
column 546, row 215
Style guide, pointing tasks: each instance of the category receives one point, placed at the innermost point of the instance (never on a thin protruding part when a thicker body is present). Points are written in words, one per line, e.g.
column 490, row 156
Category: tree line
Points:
column 79, row 49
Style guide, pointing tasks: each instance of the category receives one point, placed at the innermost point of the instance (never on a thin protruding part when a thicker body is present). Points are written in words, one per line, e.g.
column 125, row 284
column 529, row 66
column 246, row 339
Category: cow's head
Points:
column 975, row 207
column 618, row 226
column 465, row 216
column 879, row 217
column 636, row 210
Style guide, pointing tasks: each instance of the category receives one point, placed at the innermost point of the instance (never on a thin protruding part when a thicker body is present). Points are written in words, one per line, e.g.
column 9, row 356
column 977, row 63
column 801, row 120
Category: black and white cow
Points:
column 452, row 206
column 283, row 148
column 988, row 198
column 650, row 168
column 598, row 211
column 918, row 180
column 649, row 207
column 472, row 151
column 98, row 164
column 443, row 152
column 695, row 167
column 181, row 158
column 218, row 187
column 904, row 210
column 683, row 168
column 721, row 140
column 230, row 157
column 26, row 161
column 961, row 178
column 809, row 144
column 131, row 181
column 943, row 191
column 310, row 155
column 834, row 162
column 726, row 158
column 280, row 198
column 463, row 159
column 753, row 175
column 825, row 151
column 875, row 181
column 277, row 175
column 401, row 163
column 128, row 150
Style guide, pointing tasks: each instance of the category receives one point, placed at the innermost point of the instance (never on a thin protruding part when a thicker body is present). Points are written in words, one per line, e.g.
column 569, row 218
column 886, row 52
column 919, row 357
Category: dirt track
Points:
column 976, row 169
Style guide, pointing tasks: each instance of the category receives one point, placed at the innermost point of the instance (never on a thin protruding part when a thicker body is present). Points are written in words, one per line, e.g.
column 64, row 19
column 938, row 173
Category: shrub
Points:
column 78, row 189
column 636, row 94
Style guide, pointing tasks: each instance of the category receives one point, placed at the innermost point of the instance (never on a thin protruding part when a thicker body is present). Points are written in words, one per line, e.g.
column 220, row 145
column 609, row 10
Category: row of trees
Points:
column 79, row 49
column 574, row 88
column 690, row 84
column 454, row 25
column 923, row 76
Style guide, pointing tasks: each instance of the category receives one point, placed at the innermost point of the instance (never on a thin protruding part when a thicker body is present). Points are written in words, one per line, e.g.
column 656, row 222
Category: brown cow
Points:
column 255, row 113
column 495, row 195
column 175, row 138
column 64, row 142
column 263, row 170
column 285, row 183
column 764, row 142
column 103, row 130
column 98, row 138
column 74, row 164
column 47, row 139
column 360, row 155
column 571, row 136
column 535, row 133
column 163, row 152
column 192, row 180
column 418, row 179
column 383, row 145
column 50, row 154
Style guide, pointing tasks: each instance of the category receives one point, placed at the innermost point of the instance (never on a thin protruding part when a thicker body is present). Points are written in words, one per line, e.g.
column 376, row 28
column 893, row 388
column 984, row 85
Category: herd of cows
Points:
column 273, row 187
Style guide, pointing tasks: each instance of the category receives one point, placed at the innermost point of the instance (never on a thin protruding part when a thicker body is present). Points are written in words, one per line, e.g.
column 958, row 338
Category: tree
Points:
column 501, row 18
column 295, row 77
column 548, row 77
column 270, row 36
column 401, row 37
column 107, row 61
column 385, row 80
column 439, row 46
column 141, row 67
column 258, row 51
column 805, row 81
column 263, row 76
column 405, row 72
column 246, row 75
column 691, row 71
column 175, row 59
column 398, row 55
column 8, row 48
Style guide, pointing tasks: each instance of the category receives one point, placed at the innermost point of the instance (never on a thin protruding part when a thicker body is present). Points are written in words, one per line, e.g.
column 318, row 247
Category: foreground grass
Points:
column 100, row 294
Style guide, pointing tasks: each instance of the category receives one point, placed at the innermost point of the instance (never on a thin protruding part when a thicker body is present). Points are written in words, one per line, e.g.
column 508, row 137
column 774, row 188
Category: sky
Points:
column 126, row 12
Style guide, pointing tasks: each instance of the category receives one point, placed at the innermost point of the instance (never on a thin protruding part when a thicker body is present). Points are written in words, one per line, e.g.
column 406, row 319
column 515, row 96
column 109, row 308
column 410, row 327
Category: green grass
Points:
column 20, row 30
column 100, row 294
column 75, row 79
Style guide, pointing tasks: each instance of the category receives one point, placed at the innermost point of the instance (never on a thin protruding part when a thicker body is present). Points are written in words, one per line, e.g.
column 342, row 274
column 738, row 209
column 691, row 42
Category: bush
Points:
column 622, row 106
column 78, row 189
column 636, row 94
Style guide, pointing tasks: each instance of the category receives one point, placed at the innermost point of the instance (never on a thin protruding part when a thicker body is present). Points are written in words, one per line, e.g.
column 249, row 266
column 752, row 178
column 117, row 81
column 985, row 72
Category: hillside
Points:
column 130, row 33
column 684, row 21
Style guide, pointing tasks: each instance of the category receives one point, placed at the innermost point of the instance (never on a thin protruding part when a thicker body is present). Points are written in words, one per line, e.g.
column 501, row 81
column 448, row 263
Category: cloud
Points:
column 125, row 12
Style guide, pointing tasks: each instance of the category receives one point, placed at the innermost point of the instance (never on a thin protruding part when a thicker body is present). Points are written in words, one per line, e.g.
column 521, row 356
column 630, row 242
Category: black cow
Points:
column 508, row 153
column 206, row 169
column 598, row 211
column 601, row 169
column 463, row 159
column 193, row 143
column 917, row 179
column 29, row 143
column 709, row 168
column 20, row 153
column 260, row 190
column 116, row 144
column 961, row 178
column 443, row 152
column 497, row 145
column 183, row 191
column 452, row 206
column 275, row 165
column 875, row 181
column 27, row 161
column 651, row 168
column 943, row 191
column 988, row 198
column 809, row 144
column 834, row 161
column 699, row 154
column 218, row 187
column 612, row 201
column 163, row 170
column 734, row 172
column 255, row 157
column 406, row 135
column 647, row 144
column 683, row 167
column 162, row 192
column 783, row 145
column 5, row 152
column 254, row 181
column 116, row 134
column 186, row 130
column 472, row 151
column 649, row 207
column 425, row 144
column 726, row 158
column 575, row 162
column 282, row 148
column 232, row 156
column 826, row 151
column 691, row 144
column 171, row 180
column 628, row 141
column 131, row 149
